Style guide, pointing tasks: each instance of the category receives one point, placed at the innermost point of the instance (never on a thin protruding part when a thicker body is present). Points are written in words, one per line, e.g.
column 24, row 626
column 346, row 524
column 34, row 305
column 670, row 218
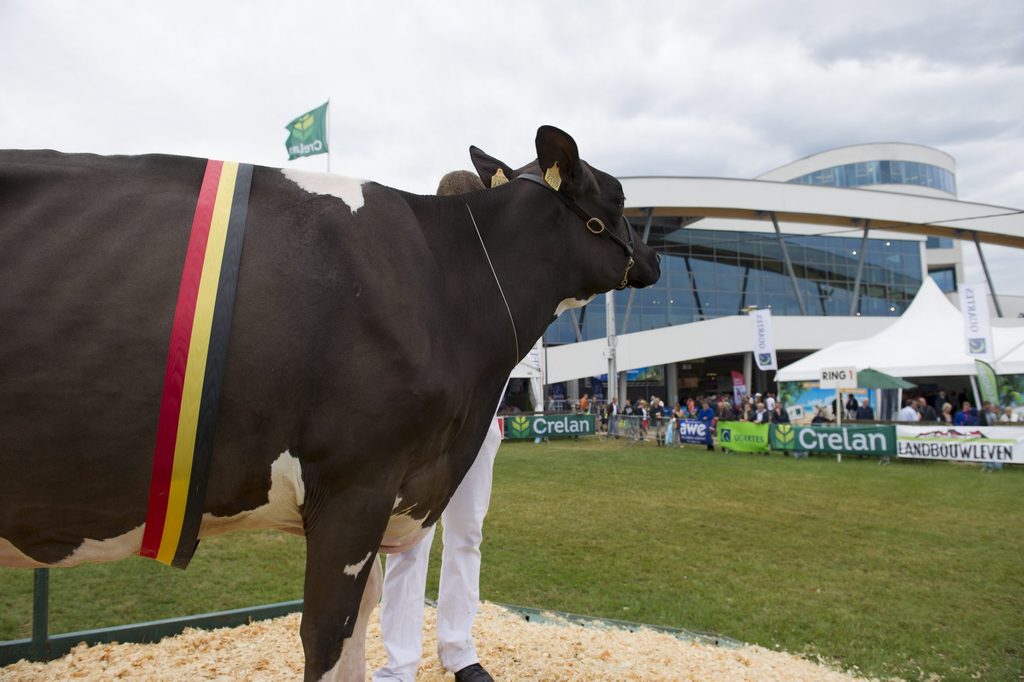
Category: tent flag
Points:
column 307, row 134
column 977, row 330
column 988, row 384
column 764, row 343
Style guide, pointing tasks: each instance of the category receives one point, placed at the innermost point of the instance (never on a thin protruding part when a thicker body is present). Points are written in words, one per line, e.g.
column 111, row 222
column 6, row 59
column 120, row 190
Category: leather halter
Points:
column 595, row 225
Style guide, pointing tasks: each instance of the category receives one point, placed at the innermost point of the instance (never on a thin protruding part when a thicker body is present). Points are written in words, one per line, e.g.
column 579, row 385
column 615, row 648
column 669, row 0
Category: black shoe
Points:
column 473, row 673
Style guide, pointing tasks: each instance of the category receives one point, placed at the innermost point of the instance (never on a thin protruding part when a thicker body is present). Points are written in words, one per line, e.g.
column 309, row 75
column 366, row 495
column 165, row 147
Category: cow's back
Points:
column 333, row 299
column 91, row 251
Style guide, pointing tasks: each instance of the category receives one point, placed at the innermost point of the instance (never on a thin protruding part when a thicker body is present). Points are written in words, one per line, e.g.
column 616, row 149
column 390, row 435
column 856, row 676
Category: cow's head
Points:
column 593, row 203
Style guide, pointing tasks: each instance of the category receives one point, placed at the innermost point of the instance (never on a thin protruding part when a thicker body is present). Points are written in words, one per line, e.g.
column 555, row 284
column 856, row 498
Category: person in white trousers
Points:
column 405, row 578
column 405, row 582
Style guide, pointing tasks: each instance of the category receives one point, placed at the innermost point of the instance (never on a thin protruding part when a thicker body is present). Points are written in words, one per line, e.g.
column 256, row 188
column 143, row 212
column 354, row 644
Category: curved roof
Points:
column 697, row 197
column 854, row 153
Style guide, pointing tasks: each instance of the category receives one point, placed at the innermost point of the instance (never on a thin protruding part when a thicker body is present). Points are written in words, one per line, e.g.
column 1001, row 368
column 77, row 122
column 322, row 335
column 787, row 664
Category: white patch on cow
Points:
column 403, row 531
column 353, row 569
column 282, row 510
column 398, row 501
column 571, row 303
column 349, row 190
column 287, row 494
column 90, row 551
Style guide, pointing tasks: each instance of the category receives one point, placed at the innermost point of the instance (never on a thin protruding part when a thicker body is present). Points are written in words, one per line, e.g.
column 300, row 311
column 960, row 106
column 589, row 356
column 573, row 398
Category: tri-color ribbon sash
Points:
column 195, row 365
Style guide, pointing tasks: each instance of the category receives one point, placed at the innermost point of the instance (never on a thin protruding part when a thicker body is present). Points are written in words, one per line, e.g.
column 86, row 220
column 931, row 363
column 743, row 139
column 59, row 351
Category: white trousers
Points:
column 405, row 579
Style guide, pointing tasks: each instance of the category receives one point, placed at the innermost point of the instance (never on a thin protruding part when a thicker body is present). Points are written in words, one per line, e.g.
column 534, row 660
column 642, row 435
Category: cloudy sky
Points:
column 680, row 88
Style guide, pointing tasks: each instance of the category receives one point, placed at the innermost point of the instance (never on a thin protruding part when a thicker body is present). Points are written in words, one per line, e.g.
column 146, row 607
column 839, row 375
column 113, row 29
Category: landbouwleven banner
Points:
column 846, row 439
column 743, row 436
column 549, row 426
column 962, row 443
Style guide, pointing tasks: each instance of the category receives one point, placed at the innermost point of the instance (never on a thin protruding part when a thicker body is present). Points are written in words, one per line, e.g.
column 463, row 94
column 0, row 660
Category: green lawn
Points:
column 909, row 569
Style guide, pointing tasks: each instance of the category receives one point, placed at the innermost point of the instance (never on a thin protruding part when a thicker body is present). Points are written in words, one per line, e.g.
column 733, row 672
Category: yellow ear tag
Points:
column 553, row 177
column 498, row 178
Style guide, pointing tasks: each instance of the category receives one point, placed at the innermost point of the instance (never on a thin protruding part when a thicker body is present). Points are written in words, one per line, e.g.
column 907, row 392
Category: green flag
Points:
column 988, row 384
column 308, row 134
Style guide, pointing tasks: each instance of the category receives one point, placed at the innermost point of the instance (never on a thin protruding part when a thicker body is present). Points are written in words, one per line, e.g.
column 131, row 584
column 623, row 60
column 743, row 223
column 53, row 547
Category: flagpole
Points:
column 328, row 134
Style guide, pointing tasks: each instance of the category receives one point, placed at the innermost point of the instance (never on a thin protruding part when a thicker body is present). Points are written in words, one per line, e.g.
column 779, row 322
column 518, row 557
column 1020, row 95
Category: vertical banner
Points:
column 988, row 383
column 764, row 343
column 977, row 330
column 739, row 388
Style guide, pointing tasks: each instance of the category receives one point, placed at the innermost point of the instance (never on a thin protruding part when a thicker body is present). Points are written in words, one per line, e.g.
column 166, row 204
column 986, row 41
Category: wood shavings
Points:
column 509, row 647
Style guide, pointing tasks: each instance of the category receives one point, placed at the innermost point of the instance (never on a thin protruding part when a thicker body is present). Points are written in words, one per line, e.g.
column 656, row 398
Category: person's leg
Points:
column 401, row 611
column 462, row 532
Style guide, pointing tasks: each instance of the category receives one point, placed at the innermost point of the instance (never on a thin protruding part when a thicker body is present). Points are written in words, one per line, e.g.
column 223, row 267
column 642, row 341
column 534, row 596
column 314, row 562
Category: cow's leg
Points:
column 341, row 560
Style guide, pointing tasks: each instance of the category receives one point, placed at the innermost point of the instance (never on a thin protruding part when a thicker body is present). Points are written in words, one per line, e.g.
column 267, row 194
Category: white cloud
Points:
column 688, row 88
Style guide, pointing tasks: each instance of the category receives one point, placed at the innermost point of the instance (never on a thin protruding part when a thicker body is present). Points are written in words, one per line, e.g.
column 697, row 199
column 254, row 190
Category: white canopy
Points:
column 927, row 340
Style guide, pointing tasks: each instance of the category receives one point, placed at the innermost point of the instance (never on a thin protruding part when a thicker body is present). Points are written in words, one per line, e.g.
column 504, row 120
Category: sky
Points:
column 730, row 89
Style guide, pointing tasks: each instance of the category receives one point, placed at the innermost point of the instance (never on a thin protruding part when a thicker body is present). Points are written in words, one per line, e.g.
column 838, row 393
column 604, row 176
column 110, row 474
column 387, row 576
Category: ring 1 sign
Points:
column 838, row 377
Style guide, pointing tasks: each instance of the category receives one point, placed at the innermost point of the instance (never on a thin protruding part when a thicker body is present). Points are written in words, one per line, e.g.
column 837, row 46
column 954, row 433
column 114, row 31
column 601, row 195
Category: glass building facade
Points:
column 713, row 273
column 882, row 173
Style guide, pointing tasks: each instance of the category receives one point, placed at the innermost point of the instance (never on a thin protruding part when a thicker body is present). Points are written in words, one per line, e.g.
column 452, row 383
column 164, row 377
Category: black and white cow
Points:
column 347, row 290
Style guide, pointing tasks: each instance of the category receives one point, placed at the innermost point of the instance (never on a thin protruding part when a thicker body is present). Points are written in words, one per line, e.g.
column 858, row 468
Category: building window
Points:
column 945, row 278
column 882, row 173
column 714, row 273
column 938, row 243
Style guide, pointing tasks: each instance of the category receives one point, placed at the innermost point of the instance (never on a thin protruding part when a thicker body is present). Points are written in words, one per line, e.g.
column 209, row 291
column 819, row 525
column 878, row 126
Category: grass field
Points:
column 912, row 569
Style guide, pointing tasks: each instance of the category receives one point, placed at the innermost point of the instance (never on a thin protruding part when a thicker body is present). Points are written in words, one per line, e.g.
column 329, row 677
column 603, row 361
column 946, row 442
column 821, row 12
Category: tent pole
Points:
column 977, row 400
column 789, row 264
column 855, row 301
column 988, row 276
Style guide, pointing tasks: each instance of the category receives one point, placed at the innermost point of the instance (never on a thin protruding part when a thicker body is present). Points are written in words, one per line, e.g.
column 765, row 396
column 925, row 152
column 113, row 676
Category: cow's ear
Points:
column 490, row 170
column 559, row 158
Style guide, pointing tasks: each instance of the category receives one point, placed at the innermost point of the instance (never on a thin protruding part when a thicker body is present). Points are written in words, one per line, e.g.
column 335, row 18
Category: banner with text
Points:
column 764, row 342
column 977, row 329
column 846, row 439
column 743, row 436
column 549, row 426
column 962, row 443
column 693, row 431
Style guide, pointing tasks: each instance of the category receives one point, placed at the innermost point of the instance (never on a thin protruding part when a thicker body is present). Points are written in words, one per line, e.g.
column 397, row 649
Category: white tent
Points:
column 926, row 341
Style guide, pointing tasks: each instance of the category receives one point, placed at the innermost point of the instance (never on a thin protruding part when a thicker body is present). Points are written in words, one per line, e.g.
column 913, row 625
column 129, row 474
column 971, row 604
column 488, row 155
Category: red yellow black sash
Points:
column 195, row 365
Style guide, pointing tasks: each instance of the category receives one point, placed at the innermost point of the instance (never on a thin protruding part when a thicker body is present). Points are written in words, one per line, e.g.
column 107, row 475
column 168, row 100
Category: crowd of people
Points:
column 651, row 415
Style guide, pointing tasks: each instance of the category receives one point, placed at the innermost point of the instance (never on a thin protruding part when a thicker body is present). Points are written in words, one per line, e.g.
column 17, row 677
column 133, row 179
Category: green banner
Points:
column 988, row 383
column 308, row 134
column 549, row 426
column 848, row 440
column 743, row 436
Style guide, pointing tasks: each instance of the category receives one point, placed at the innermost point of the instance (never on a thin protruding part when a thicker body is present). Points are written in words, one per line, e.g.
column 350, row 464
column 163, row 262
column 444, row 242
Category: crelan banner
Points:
column 549, row 426
column 847, row 440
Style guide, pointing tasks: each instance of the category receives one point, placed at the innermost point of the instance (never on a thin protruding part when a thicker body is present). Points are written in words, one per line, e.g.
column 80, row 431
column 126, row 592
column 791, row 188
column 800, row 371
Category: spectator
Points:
column 769, row 402
column 926, row 411
column 613, row 418
column 947, row 414
column 761, row 415
column 627, row 409
column 707, row 417
column 585, row 404
column 990, row 414
column 851, row 407
column 865, row 411
column 1008, row 415
column 779, row 414
column 966, row 416
column 820, row 417
column 939, row 401
column 908, row 413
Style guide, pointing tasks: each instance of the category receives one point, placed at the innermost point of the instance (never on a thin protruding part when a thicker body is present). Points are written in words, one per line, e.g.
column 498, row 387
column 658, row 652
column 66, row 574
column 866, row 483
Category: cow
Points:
column 343, row 289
